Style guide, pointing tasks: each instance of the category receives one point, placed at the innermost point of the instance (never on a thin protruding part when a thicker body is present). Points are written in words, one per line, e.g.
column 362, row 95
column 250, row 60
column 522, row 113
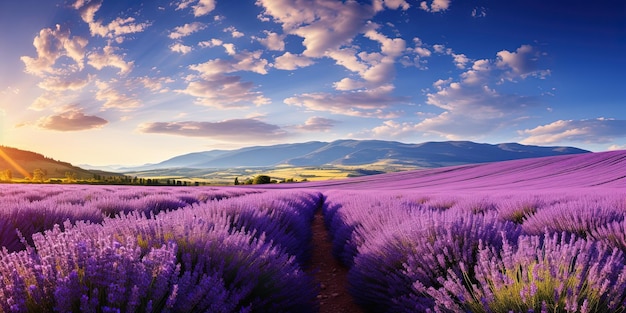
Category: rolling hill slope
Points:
column 53, row 169
column 589, row 170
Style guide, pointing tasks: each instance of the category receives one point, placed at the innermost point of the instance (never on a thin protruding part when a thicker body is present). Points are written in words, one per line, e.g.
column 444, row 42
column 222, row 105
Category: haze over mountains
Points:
column 355, row 153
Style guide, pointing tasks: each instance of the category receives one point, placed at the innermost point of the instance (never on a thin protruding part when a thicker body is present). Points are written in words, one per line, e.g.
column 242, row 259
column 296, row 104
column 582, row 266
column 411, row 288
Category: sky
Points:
column 105, row 82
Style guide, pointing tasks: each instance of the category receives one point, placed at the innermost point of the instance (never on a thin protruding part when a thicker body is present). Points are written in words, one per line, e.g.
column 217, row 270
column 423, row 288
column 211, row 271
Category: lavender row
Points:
column 410, row 252
column 27, row 209
column 236, row 255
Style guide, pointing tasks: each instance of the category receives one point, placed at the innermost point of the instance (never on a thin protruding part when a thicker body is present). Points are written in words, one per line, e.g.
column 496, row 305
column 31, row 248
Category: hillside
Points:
column 15, row 160
column 358, row 153
column 567, row 172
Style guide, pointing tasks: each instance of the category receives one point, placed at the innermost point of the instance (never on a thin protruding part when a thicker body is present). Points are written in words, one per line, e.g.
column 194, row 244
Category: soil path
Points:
column 331, row 275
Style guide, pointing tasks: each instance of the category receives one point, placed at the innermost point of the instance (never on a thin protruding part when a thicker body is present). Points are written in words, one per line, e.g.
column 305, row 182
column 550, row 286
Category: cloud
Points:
column 460, row 60
column 392, row 4
column 242, row 130
column 471, row 107
column 324, row 25
column 186, row 30
column 71, row 120
column 180, row 48
column 479, row 12
column 51, row 44
column 318, row 124
column 108, row 58
column 224, row 92
column 289, row 61
column 616, row 147
column 113, row 99
column 273, row 41
column 243, row 61
column 600, row 130
column 233, row 32
column 116, row 29
column 60, row 83
column 435, row 5
column 522, row 63
column 367, row 103
column 200, row 8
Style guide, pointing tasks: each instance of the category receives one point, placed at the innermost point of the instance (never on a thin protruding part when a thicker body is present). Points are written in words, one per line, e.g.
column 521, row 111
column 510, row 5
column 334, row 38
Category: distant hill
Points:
column 358, row 152
column 53, row 169
column 603, row 170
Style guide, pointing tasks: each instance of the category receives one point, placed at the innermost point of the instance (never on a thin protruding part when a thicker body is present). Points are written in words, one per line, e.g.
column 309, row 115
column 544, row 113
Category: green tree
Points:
column 236, row 181
column 39, row 175
column 262, row 179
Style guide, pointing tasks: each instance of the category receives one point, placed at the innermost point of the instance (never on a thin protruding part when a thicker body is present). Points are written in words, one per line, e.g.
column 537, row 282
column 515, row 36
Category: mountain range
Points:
column 356, row 153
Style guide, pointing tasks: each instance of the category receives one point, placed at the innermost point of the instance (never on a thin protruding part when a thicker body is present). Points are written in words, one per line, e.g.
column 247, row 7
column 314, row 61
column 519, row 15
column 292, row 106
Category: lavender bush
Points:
column 551, row 273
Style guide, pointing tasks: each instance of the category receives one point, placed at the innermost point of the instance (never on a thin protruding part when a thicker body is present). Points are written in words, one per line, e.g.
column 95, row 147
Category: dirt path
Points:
column 332, row 276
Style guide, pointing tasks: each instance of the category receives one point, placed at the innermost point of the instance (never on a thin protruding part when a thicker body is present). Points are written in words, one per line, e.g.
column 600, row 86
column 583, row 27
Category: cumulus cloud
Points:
column 318, row 124
column 435, row 5
column 243, row 61
column 224, row 92
column 273, row 41
column 186, row 30
column 71, row 120
column 108, row 58
column 115, row 30
column 522, row 63
column 62, row 83
column 180, row 48
column 367, row 103
column 242, row 130
column 470, row 106
column 290, row 62
column 114, row 99
column 233, row 32
column 199, row 7
column 324, row 25
column 51, row 44
column 600, row 130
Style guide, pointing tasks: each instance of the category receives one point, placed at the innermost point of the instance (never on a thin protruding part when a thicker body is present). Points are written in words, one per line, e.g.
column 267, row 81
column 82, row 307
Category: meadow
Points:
column 533, row 235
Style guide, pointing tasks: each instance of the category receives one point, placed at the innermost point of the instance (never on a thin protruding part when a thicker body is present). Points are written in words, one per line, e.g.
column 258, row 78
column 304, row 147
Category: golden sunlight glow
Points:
column 16, row 166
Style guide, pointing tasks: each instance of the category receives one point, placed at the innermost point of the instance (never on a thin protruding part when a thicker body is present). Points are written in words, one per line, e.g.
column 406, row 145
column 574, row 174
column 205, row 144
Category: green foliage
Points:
column 261, row 179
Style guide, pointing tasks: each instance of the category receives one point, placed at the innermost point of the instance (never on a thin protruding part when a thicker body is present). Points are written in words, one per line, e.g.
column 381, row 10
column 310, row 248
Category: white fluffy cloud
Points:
column 243, row 61
column 273, row 41
column 435, row 5
column 51, row 44
column 114, row 99
column 600, row 130
column 115, row 30
column 71, row 120
column 318, row 124
column 199, row 7
column 108, row 58
column 180, row 48
column 290, row 62
column 241, row 130
column 186, row 30
column 522, row 63
column 224, row 92
column 368, row 103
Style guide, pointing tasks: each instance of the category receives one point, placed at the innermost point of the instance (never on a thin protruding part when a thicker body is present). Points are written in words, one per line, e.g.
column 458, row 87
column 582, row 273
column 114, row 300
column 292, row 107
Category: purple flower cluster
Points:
column 550, row 273
column 27, row 209
column 457, row 253
column 233, row 255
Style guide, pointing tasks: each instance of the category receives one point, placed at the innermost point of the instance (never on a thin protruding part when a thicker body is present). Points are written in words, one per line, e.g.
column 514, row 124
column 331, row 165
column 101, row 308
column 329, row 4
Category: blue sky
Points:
column 132, row 82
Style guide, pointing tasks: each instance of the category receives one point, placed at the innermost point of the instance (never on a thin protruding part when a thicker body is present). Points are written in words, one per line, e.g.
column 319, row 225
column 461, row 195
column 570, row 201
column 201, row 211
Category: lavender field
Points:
column 533, row 235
